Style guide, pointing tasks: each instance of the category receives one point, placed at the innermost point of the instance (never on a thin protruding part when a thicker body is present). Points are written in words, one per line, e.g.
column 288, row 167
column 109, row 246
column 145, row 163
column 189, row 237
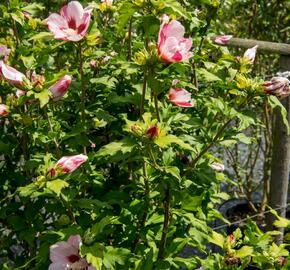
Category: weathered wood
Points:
column 270, row 47
column 280, row 160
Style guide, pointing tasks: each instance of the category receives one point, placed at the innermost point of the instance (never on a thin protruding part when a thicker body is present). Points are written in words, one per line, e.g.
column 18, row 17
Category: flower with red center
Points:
column 223, row 39
column 152, row 132
column 278, row 86
column 65, row 255
column 4, row 53
column 217, row 167
column 70, row 163
column 172, row 46
column 11, row 75
column 59, row 89
column 180, row 97
column 250, row 54
column 4, row 110
column 72, row 23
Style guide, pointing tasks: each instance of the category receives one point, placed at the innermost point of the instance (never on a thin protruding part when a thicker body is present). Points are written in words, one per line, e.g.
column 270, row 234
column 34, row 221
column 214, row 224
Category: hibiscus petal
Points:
column 85, row 22
column 60, row 252
column 75, row 241
column 11, row 74
column 55, row 21
column 74, row 12
column 168, row 49
column 59, row 266
column 173, row 29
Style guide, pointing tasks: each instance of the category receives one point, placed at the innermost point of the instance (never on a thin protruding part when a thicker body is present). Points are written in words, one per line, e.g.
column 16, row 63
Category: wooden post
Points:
column 280, row 160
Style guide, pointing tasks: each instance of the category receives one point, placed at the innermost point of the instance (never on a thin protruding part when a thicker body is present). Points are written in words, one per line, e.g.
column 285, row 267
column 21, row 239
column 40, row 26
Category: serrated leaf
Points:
column 217, row 239
column 43, row 97
column 244, row 251
column 282, row 222
column 42, row 35
column 208, row 76
column 164, row 141
column 57, row 185
column 94, row 254
column 275, row 103
column 126, row 10
column 174, row 171
column 114, row 256
column 124, row 146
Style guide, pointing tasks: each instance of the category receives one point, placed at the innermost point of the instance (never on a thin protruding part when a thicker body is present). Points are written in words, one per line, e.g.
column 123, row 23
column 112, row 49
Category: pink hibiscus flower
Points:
column 172, row 46
column 72, row 23
column 65, row 255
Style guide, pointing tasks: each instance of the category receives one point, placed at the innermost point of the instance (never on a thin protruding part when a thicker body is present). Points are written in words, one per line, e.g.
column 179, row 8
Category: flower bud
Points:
column 4, row 110
column 11, row 75
column 250, row 54
column 152, row 132
column 278, row 86
column 70, row 163
column 59, row 89
column 4, row 53
column 217, row 167
column 222, row 40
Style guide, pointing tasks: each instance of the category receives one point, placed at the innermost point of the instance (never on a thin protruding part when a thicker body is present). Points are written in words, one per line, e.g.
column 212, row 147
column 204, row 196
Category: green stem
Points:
column 166, row 205
column 156, row 106
column 68, row 207
column 144, row 87
column 83, row 89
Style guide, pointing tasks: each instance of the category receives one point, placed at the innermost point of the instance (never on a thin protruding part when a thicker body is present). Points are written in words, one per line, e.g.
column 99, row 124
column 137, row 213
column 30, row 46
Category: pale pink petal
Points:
column 71, row 163
column 74, row 12
column 217, row 167
column 61, row 251
column 56, row 22
column 250, row 54
column 85, row 22
column 75, row 241
column 173, row 29
column 91, row 268
column 4, row 110
column 180, row 97
column 169, row 49
column 59, row 266
column 11, row 74
column 60, row 87
column 222, row 40
column 4, row 53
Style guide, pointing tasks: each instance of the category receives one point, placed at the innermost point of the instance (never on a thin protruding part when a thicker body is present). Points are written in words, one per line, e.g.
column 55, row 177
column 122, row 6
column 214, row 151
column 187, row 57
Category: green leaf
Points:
column 275, row 103
column 172, row 170
column 164, row 141
column 124, row 146
column 126, row 11
column 57, row 185
column 98, row 228
column 282, row 222
column 43, row 97
column 217, row 239
column 244, row 251
column 115, row 256
column 94, row 254
column 208, row 76
column 191, row 203
column 42, row 35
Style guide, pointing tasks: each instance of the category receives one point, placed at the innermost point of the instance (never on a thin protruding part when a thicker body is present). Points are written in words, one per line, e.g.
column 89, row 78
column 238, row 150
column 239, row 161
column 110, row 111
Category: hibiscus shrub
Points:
column 109, row 113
